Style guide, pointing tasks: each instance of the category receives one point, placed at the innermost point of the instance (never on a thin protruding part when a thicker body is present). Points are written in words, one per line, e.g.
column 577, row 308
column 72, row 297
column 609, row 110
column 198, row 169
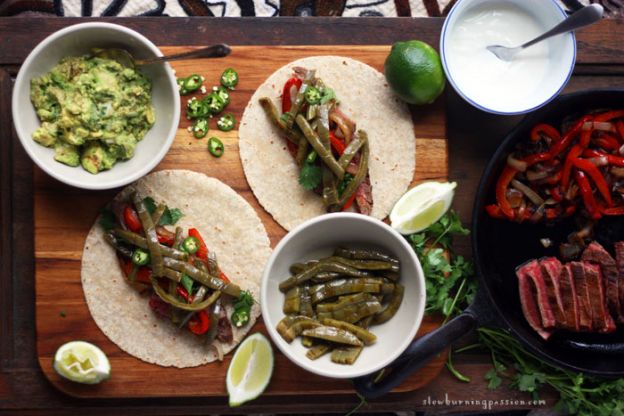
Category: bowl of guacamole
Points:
column 89, row 120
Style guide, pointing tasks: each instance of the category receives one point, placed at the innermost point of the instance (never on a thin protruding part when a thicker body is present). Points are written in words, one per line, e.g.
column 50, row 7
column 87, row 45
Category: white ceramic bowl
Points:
column 317, row 238
column 78, row 40
column 560, row 62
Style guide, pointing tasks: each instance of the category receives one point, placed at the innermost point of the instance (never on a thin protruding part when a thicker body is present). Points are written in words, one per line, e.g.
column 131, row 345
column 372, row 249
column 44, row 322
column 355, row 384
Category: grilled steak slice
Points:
column 595, row 253
column 534, row 272
column 570, row 299
column 582, row 295
column 601, row 319
column 529, row 303
column 551, row 270
column 619, row 259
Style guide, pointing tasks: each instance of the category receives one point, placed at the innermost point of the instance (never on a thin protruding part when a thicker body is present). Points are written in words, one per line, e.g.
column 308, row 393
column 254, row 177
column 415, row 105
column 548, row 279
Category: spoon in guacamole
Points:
column 126, row 59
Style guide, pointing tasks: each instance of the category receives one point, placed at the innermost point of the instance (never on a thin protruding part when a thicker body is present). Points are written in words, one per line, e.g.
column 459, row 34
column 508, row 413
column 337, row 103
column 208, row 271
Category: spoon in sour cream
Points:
column 583, row 17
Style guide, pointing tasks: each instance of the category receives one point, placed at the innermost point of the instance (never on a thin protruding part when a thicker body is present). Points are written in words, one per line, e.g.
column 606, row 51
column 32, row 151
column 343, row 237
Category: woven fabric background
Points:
column 347, row 8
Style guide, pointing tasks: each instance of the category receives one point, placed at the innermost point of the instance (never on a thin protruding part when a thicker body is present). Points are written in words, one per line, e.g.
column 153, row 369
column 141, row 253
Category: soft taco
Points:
column 170, row 275
column 325, row 134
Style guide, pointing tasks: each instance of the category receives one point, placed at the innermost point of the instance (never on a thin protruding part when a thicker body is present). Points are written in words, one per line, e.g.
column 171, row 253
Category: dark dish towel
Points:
column 346, row 8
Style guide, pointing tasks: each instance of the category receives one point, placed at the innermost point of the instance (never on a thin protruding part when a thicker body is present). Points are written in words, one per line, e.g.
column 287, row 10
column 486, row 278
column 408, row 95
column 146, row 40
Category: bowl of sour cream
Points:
column 534, row 77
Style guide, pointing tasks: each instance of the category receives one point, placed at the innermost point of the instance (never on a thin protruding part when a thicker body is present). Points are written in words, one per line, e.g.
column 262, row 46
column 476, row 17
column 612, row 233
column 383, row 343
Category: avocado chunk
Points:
column 95, row 158
column 46, row 135
column 123, row 146
column 67, row 154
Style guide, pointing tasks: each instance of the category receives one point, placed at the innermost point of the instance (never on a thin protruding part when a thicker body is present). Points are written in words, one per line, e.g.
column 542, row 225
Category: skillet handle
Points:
column 416, row 355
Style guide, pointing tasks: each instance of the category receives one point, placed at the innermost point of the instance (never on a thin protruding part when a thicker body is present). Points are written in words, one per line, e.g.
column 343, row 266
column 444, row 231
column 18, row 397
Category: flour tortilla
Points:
column 231, row 229
column 365, row 98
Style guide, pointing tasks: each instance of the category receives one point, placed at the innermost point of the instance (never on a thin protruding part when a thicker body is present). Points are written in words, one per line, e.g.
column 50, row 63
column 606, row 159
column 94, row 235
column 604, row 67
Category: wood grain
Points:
column 60, row 230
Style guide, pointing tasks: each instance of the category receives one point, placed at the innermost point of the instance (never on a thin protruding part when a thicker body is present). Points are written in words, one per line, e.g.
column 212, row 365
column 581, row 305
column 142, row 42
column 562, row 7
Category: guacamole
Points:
column 93, row 111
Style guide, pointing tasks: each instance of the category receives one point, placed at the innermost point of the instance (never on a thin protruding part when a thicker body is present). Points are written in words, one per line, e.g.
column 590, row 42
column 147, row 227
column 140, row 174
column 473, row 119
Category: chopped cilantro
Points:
column 310, row 176
column 107, row 219
column 169, row 217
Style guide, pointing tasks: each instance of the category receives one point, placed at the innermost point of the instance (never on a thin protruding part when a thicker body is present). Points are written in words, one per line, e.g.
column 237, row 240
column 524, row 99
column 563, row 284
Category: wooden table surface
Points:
column 473, row 136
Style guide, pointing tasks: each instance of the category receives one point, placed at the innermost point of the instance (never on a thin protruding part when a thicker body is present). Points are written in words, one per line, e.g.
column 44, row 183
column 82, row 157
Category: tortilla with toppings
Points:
column 129, row 317
column 363, row 97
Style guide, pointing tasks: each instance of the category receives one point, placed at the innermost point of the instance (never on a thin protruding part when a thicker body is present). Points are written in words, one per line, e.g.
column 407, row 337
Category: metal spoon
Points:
column 125, row 58
column 583, row 17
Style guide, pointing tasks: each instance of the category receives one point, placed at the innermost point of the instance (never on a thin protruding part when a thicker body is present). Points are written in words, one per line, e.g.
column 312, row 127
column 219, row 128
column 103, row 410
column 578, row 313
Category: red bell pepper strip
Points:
column 349, row 202
column 494, row 211
column 143, row 275
column 132, row 219
column 223, row 277
column 184, row 294
column 553, row 179
column 501, row 190
column 551, row 213
column 571, row 209
column 619, row 126
column 567, row 138
column 336, row 143
column 536, row 158
column 574, row 152
column 607, row 142
column 286, row 100
column 609, row 115
column 202, row 252
column 588, row 197
column 544, row 129
column 586, row 136
column 612, row 159
column 594, row 173
column 556, row 194
column 199, row 323
column 165, row 236
column 613, row 211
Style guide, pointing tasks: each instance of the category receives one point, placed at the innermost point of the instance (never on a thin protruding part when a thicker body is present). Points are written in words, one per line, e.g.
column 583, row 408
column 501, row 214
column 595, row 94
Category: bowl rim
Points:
column 301, row 360
column 44, row 164
column 490, row 110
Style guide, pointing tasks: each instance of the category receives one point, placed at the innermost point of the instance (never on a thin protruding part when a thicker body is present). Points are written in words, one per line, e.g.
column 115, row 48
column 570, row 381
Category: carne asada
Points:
column 580, row 296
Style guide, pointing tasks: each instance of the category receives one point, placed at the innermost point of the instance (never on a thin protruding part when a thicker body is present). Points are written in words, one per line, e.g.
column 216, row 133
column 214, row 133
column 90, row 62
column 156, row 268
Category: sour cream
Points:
column 482, row 77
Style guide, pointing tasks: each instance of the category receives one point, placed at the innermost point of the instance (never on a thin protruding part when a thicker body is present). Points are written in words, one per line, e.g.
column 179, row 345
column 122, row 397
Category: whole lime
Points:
column 414, row 72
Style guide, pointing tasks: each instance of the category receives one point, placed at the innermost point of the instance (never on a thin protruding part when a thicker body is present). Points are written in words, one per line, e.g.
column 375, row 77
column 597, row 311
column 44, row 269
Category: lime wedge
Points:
column 81, row 362
column 250, row 370
column 422, row 206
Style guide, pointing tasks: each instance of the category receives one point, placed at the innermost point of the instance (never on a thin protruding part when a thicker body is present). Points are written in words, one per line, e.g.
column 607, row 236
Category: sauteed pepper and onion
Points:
column 331, row 152
column 187, row 285
column 558, row 172
column 331, row 302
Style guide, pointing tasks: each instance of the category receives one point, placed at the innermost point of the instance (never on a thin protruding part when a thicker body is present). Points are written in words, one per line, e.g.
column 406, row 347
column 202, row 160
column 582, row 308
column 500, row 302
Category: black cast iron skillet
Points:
column 500, row 246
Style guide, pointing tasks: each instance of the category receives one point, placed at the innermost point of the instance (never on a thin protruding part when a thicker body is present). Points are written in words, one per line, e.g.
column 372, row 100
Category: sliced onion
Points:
column 599, row 161
column 343, row 122
column 617, row 171
column 530, row 193
column 550, row 201
column 515, row 197
column 516, row 164
column 571, row 192
column 533, row 175
column 538, row 214
column 599, row 125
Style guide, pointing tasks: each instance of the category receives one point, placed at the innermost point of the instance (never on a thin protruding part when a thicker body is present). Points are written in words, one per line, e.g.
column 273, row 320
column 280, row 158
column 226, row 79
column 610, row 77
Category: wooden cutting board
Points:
column 64, row 215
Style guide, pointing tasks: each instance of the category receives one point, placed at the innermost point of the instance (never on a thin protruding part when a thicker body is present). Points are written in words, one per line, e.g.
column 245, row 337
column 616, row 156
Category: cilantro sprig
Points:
column 579, row 394
column 449, row 278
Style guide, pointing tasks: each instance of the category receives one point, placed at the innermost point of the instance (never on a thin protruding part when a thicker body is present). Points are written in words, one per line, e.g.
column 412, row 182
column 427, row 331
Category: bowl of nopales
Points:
column 87, row 117
column 343, row 295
